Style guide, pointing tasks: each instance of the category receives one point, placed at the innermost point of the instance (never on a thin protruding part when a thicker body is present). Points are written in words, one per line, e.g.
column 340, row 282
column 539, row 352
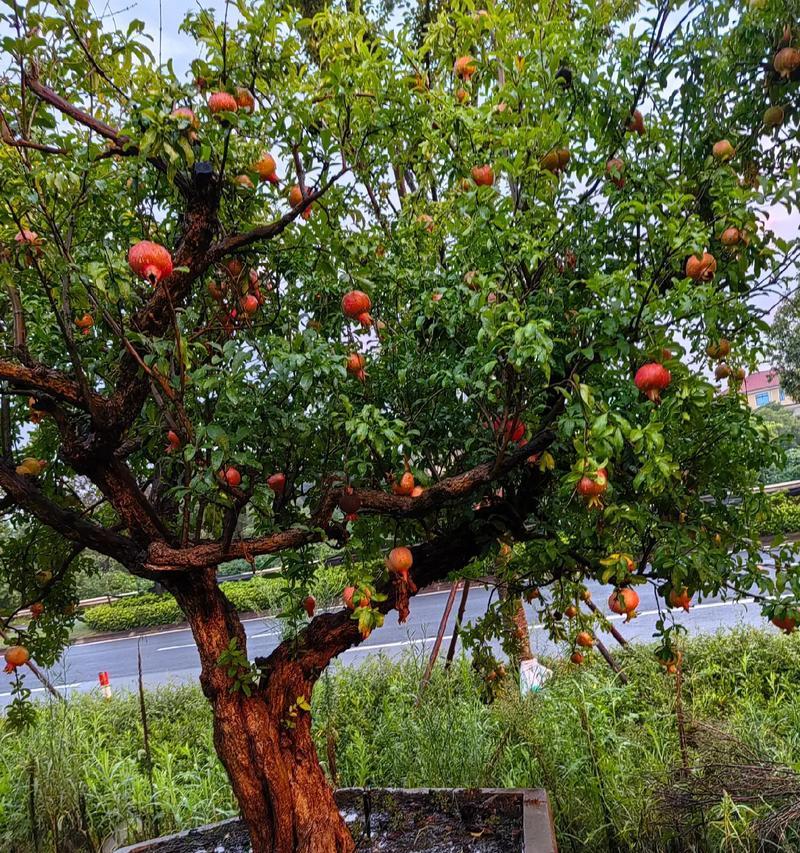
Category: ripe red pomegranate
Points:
column 636, row 123
column 406, row 484
column 187, row 114
column 173, row 442
column 245, row 100
column 277, row 482
column 250, row 304
column 244, row 181
column 651, row 379
column 265, row 167
column 614, row 169
column 701, row 268
column 347, row 597
column 355, row 362
column 150, row 261
column 514, row 429
column 232, row 477
column 591, row 488
column 222, row 102
column 624, row 600
column 584, row 639
column 16, row 656
column 349, row 503
column 462, row 96
column 37, row 608
column 731, row 237
column 786, row 61
column 787, row 624
column 295, row 195
column 722, row 371
column 576, row 658
column 355, row 303
column 417, row 491
column 309, row 604
column 85, row 323
column 483, row 176
column 465, row 67
column 400, row 561
column 571, row 611
column 723, row 150
column 680, row 599
column 426, row 220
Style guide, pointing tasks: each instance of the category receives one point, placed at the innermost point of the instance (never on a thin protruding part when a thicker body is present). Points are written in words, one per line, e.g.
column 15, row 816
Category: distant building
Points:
column 763, row 388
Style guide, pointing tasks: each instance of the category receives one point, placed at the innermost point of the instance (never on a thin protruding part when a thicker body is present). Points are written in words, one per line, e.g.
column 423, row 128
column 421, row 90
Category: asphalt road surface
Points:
column 169, row 656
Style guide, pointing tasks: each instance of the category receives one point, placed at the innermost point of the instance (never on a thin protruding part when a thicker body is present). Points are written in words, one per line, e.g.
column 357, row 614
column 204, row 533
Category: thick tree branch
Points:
column 273, row 229
column 46, row 94
column 330, row 634
column 46, row 380
column 25, row 492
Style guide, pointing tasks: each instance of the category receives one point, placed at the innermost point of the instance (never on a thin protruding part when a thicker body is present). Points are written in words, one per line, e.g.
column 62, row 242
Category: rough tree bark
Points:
column 264, row 740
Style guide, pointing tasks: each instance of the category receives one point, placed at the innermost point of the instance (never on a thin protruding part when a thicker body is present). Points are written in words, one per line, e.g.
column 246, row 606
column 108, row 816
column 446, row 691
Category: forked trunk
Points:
column 264, row 740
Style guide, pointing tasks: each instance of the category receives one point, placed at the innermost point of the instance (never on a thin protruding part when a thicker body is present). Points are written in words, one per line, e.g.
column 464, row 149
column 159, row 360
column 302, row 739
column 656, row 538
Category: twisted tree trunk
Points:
column 263, row 740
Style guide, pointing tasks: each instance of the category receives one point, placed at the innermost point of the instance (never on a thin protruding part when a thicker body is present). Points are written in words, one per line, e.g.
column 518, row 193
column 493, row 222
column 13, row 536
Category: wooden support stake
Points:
column 611, row 629
column 48, row 685
column 438, row 644
column 457, row 627
column 610, row 660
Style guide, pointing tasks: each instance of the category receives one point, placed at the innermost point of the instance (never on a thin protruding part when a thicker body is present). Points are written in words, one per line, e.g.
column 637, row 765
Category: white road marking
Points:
column 42, row 689
column 395, row 645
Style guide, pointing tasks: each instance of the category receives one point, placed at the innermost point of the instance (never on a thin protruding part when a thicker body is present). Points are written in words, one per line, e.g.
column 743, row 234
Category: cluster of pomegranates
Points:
column 224, row 102
column 239, row 296
column 356, row 305
column 406, row 485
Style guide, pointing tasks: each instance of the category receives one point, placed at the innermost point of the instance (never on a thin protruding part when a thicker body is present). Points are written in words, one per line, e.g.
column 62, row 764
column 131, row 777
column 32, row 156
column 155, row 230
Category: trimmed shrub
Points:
column 142, row 611
column 783, row 517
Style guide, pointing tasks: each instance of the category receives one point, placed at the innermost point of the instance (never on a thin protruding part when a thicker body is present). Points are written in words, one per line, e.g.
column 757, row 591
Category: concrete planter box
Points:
column 402, row 820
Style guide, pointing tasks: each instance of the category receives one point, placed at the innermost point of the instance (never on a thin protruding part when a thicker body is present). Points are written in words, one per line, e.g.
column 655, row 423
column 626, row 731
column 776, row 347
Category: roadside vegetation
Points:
column 603, row 750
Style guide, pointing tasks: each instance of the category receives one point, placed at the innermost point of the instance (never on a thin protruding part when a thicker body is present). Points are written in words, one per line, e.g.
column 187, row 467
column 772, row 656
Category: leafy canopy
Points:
column 533, row 300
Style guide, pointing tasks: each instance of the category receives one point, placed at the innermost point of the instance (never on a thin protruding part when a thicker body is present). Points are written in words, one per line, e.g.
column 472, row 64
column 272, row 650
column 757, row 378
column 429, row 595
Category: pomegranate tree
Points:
column 219, row 409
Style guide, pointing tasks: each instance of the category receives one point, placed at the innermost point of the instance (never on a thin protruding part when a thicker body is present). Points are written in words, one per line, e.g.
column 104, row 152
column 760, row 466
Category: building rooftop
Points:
column 761, row 381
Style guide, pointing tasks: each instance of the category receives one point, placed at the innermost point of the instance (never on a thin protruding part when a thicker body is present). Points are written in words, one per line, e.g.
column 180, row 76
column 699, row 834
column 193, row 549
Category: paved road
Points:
column 170, row 655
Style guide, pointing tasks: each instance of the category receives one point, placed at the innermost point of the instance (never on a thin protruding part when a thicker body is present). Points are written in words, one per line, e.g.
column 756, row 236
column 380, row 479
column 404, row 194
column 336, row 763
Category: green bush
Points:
column 139, row 611
column 600, row 748
column 788, row 472
column 783, row 515
column 109, row 582
column 260, row 594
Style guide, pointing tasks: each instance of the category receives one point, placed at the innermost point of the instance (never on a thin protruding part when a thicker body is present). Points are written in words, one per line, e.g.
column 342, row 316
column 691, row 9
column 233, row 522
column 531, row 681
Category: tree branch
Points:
column 25, row 492
column 267, row 232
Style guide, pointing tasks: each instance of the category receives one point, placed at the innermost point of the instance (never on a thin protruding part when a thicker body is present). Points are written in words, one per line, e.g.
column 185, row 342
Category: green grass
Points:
column 598, row 747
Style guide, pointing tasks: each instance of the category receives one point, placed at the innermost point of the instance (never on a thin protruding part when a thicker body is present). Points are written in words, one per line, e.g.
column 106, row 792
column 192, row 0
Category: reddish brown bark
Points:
column 264, row 740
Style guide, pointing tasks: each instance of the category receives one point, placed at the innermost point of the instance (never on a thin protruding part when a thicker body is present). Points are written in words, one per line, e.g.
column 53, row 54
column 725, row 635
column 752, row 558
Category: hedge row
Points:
column 783, row 517
column 142, row 611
